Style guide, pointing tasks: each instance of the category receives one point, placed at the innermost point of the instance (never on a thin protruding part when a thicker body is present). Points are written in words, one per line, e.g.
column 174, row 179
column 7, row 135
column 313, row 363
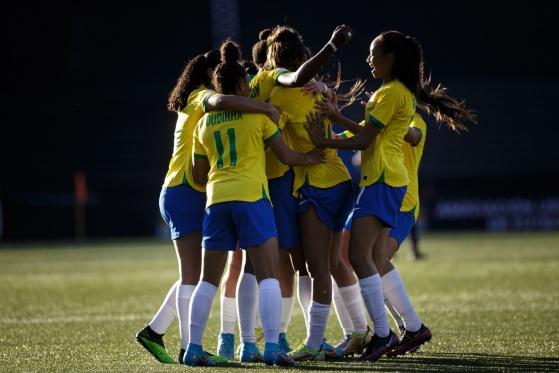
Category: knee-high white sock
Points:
column 353, row 303
column 246, row 306
column 228, row 314
column 392, row 311
column 166, row 313
column 269, row 299
column 396, row 294
column 318, row 318
column 341, row 312
column 200, row 307
column 371, row 289
column 286, row 311
column 304, row 291
column 184, row 294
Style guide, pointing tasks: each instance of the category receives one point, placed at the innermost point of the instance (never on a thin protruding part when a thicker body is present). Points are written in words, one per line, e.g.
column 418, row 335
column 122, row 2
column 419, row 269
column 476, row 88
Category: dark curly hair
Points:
column 229, row 71
column 285, row 49
column 193, row 75
column 409, row 69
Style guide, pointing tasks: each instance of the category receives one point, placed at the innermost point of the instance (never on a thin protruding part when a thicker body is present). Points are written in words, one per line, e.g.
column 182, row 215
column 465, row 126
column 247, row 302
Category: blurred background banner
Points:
column 86, row 138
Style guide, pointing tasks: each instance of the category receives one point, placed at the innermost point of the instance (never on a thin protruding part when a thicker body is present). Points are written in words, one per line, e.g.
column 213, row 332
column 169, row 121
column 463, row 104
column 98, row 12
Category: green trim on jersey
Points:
column 376, row 122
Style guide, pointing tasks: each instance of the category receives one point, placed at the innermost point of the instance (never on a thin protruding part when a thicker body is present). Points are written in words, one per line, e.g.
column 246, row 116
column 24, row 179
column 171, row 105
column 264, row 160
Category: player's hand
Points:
column 341, row 35
column 315, row 87
column 364, row 103
column 315, row 156
column 315, row 128
column 274, row 113
column 328, row 107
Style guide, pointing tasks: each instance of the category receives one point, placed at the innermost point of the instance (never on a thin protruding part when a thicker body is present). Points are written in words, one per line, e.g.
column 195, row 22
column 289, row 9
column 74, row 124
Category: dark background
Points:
column 84, row 88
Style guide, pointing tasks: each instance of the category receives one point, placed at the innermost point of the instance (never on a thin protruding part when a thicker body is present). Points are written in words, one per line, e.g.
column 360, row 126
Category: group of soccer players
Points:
column 255, row 167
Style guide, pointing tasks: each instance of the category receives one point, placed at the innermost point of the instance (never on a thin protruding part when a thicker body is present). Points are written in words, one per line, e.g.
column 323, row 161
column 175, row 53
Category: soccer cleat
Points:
column 411, row 341
column 330, row 352
column 402, row 330
column 379, row 346
column 181, row 356
column 153, row 343
column 343, row 343
column 196, row 356
column 226, row 345
column 358, row 342
column 283, row 343
column 273, row 355
column 250, row 353
column 304, row 353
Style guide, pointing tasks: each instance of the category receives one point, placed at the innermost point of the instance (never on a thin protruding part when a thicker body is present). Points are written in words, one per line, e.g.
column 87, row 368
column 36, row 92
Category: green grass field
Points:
column 492, row 302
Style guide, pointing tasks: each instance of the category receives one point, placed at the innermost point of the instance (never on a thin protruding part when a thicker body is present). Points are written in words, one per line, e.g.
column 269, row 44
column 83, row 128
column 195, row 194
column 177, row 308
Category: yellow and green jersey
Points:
column 233, row 142
column 391, row 108
column 412, row 158
column 180, row 166
column 261, row 84
column 295, row 105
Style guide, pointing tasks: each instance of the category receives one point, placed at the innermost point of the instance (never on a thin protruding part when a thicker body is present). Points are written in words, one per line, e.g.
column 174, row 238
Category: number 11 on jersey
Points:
column 221, row 149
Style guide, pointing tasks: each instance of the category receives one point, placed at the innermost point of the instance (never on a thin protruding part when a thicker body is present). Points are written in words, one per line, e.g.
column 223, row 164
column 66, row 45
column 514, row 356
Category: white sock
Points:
column 318, row 318
column 371, row 289
column 353, row 302
column 200, row 307
column 228, row 314
column 396, row 294
column 166, row 313
column 184, row 294
column 397, row 319
column 246, row 306
column 341, row 312
column 304, row 291
column 286, row 311
column 269, row 299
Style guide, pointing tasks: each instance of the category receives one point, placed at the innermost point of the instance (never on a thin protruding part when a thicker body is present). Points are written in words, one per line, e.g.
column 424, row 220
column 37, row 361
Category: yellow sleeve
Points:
column 198, row 150
column 419, row 124
column 382, row 106
column 271, row 131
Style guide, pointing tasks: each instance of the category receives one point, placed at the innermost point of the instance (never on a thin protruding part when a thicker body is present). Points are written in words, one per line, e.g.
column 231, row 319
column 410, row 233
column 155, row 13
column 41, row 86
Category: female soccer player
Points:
column 397, row 59
column 412, row 147
column 324, row 191
column 228, row 155
column 280, row 178
column 182, row 200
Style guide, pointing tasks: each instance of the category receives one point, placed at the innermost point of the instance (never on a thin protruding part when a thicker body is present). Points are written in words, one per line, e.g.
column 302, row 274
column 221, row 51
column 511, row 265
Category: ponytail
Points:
column 260, row 48
column 229, row 71
column 194, row 74
column 409, row 69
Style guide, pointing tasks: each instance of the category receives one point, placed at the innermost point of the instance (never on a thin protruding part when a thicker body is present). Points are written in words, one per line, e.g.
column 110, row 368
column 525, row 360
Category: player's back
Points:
column 234, row 144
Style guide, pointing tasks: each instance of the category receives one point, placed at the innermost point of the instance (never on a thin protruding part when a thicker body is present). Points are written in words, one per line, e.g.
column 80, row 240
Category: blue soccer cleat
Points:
column 226, row 345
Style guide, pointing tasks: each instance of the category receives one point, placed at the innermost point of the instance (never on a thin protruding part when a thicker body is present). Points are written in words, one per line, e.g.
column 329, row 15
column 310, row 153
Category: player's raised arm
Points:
column 340, row 37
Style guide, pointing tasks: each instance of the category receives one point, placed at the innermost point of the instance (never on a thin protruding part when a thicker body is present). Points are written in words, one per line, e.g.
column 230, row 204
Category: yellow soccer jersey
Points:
column 391, row 108
column 261, row 84
column 233, row 142
column 295, row 105
column 412, row 157
column 274, row 167
column 180, row 166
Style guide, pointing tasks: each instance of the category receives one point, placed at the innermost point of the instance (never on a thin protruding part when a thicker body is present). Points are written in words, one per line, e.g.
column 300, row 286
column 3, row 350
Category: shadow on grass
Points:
column 437, row 362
